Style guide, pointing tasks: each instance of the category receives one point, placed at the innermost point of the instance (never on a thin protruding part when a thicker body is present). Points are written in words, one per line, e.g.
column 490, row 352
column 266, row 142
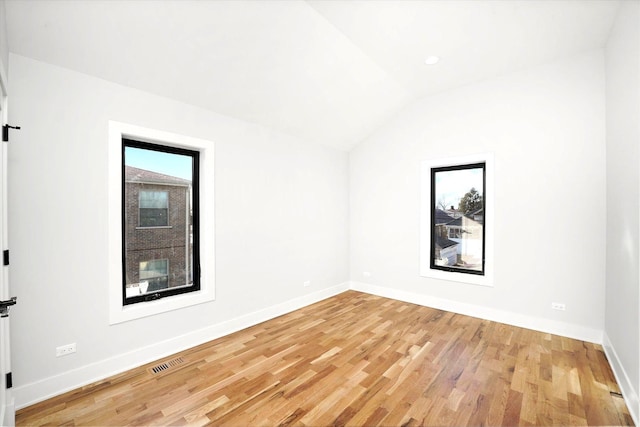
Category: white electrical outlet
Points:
column 366, row 274
column 307, row 283
column 63, row 350
column 558, row 306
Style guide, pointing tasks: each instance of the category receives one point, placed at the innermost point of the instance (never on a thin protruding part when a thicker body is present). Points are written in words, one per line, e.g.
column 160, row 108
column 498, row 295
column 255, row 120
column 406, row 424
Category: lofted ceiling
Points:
column 329, row 72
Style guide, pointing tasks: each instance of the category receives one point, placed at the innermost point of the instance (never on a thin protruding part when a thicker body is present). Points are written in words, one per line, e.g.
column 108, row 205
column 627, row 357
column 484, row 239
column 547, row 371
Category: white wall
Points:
column 546, row 128
column 622, row 321
column 4, row 45
column 281, row 218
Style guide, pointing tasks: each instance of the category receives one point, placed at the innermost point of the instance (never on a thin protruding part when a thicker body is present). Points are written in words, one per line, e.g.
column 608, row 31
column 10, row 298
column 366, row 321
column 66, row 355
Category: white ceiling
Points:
column 330, row 72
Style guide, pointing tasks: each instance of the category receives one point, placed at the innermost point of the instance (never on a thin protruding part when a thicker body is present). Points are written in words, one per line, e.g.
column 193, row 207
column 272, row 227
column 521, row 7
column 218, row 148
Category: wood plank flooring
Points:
column 358, row 360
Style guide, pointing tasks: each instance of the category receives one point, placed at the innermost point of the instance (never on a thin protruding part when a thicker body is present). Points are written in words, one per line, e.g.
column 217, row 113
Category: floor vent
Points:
column 167, row 365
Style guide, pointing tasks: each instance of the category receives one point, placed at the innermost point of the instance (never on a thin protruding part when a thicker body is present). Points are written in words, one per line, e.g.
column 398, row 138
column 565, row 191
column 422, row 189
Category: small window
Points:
column 154, row 208
column 160, row 221
column 454, row 233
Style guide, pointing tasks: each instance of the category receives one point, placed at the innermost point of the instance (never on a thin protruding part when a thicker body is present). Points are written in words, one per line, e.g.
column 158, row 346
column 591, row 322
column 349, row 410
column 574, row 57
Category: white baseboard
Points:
column 510, row 318
column 627, row 388
column 29, row 394
column 38, row 391
column 9, row 416
column 629, row 393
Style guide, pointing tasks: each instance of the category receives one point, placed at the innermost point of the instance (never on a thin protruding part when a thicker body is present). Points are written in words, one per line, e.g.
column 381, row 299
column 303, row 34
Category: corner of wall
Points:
column 569, row 330
column 626, row 386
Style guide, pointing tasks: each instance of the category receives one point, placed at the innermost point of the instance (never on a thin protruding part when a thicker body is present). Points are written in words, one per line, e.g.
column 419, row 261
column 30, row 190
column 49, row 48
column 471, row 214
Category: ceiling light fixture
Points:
column 432, row 60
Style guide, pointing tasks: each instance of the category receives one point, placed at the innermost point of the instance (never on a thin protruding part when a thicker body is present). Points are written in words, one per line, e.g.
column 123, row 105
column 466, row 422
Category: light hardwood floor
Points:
column 361, row 360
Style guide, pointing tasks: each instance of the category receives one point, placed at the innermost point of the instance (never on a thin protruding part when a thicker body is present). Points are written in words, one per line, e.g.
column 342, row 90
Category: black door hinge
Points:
column 5, row 257
column 9, row 380
column 5, row 131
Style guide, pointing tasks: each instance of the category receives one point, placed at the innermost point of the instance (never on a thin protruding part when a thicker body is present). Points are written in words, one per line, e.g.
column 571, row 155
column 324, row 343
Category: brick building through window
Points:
column 158, row 231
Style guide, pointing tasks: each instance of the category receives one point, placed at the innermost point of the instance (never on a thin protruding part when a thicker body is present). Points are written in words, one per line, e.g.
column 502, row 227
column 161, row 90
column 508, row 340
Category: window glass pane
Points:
column 457, row 227
column 153, row 275
column 154, row 218
column 149, row 269
column 154, row 208
column 160, row 219
column 154, row 199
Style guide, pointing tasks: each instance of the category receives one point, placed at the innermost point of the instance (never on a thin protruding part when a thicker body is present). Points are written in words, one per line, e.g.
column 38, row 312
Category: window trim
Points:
column 118, row 312
column 426, row 269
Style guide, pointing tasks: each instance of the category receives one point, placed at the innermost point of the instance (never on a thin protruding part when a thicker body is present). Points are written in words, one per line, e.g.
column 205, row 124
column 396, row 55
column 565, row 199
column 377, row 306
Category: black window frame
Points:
column 433, row 232
column 195, row 221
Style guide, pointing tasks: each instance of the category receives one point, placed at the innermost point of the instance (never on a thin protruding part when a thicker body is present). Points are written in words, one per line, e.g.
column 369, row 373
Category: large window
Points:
column 457, row 200
column 128, row 297
column 160, row 221
column 456, row 232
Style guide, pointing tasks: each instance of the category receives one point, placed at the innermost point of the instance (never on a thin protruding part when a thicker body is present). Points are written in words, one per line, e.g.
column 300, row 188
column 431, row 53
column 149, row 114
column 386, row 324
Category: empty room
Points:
column 313, row 213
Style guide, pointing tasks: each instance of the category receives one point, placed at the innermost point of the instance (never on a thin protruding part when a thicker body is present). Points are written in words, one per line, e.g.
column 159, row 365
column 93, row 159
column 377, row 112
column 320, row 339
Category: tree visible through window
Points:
column 457, row 218
column 160, row 221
